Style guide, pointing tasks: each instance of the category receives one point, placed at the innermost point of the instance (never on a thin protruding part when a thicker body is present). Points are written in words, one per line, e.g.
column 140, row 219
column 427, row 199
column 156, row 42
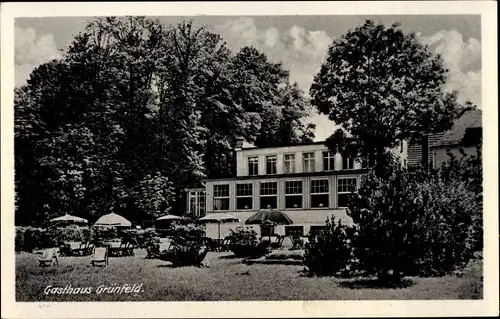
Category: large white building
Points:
column 308, row 182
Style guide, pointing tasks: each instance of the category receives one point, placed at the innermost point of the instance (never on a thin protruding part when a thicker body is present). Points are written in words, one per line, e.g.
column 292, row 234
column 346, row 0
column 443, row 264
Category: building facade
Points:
column 308, row 182
column 464, row 138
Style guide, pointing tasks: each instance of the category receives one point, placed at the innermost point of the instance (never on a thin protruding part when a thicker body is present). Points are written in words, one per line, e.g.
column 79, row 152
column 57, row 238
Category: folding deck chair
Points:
column 278, row 243
column 100, row 255
column 48, row 258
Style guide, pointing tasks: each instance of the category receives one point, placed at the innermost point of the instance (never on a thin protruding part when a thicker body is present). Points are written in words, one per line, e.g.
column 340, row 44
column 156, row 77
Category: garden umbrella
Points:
column 219, row 218
column 269, row 217
column 69, row 219
column 113, row 220
column 170, row 217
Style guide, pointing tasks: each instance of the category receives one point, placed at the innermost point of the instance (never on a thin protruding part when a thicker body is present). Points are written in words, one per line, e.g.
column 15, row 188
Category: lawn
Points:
column 225, row 278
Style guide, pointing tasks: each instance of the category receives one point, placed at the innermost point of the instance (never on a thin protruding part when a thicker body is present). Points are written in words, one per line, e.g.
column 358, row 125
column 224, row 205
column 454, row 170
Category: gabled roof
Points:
column 470, row 119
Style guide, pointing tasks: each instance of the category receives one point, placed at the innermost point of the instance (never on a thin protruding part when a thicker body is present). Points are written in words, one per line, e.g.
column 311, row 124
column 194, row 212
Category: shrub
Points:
column 187, row 247
column 328, row 252
column 412, row 223
column 244, row 243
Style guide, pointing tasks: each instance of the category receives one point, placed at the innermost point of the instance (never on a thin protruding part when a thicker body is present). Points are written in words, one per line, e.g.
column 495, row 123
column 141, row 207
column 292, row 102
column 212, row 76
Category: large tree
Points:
column 382, row 86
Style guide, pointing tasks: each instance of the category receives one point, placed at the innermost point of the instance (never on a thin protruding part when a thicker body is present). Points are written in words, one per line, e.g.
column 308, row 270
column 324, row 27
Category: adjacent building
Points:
column 465, row 137
column 308, row 182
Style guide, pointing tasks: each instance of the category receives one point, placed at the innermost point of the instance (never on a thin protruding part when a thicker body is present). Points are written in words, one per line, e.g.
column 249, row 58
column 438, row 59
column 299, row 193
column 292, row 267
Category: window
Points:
column 345, row 186
column 244, row 197
column 268, row 195
column 319, row 193
column 347, row 162
column 328, row 161
column 253, row 166
column 308, row 165
column 271, row 165
column 293, row 194
column 315, row 230
column 289, row 160
column 221, row 197
column 197, row 203
column 294, row 231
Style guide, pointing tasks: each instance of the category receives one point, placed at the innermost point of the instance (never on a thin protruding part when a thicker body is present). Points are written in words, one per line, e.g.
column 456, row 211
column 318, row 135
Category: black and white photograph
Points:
column 215, row 157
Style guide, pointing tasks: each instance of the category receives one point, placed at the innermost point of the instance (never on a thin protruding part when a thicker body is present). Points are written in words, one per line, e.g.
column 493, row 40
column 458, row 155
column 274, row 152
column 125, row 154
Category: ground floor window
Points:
column 314, row 230
column 244, row 197
column 221, row 197
column 293, row 194
column 345, row 186
column 294, row 231
column 320, row 193
column 268, row 195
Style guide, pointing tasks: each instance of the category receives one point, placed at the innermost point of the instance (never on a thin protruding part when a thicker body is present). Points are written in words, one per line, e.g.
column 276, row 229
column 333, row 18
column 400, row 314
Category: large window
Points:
column 197, row 203
column 271, row 164
column 221, row 197
column 347, row 162
column 244, row 197
column 345, row 186
column 319, row 193
column 293, row 194
column 328, row 161
column 289, row 160
column 308, row 162
column 268, row 195
column 315, row 230
column 253, row 166
column 294, row 231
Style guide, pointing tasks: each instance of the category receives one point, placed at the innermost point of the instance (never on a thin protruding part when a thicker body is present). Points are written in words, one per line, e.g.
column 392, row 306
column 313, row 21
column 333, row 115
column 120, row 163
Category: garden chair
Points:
column 153, row 250
column 129, row 249
column 278, row 243
column 65, row 250
column 297, row 243
column 75, row 248
column 49, row 257
column 226, row 244
column 100, row 255
column 89, row 249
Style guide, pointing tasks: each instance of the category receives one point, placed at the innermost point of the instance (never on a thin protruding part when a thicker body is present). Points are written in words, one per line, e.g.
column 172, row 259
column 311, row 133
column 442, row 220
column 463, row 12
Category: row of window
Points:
column 308, row 163
column 319, row 194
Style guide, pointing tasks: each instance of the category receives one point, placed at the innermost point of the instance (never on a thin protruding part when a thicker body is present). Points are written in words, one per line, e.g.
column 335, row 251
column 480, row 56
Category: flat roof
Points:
column 285, row 145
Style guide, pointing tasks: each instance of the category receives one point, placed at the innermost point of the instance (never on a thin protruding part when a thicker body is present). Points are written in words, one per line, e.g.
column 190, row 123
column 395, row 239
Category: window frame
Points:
column 343, row 192
column 327, row 160
column 275, row 162
column 291, row 162
column 310, row 160
column 294, row 227
column 253, row 161
column 301, row 194
column 267, row 195
column 347, row 160
column 311, row 193
column 219, row 197
column 244, row 196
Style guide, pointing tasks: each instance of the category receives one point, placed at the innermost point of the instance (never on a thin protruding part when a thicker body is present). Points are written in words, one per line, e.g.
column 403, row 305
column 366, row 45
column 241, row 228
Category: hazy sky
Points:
column 299, row 42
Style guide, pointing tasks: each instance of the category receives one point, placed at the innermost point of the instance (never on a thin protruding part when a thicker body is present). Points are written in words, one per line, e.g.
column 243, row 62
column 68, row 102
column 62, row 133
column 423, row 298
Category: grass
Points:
column 226, row 278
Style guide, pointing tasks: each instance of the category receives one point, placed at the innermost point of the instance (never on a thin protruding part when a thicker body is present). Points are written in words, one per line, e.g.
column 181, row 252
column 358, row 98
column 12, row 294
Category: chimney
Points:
column 239, row 144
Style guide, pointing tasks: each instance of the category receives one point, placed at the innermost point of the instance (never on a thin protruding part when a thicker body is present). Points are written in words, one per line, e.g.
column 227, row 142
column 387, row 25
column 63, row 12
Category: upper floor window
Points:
column 253, row 166
column 320, row 193
column 221, row 197
column 244, row 197
column 328, row 161
column 347, row 162
column 289, row 160
column 271, row 165
column 345, row 186
column 268, row 195
column 308, row 164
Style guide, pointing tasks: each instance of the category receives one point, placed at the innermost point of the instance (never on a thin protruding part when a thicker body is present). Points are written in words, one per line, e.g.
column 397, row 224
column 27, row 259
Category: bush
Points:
column 244, row 243
column 412, row 223
column 187, row 247
column 328, row 252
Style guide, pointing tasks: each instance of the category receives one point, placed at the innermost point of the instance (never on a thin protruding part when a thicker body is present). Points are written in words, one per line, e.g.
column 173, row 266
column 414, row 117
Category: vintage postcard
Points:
column 249, row 159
